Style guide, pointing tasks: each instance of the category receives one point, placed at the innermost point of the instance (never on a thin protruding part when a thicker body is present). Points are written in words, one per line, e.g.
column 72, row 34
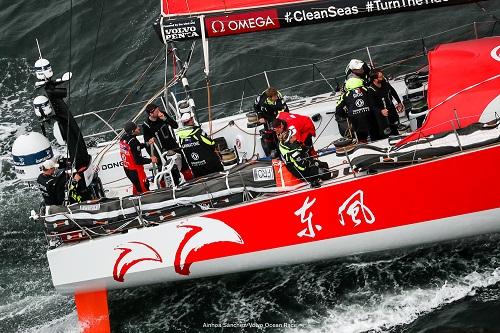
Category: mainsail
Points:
column 186, row 19
column 464, row 86
column 195, row 7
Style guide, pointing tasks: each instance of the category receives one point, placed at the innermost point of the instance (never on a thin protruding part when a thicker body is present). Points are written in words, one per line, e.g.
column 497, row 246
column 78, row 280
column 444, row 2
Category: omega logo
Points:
column 242, row 24
column 221, row 25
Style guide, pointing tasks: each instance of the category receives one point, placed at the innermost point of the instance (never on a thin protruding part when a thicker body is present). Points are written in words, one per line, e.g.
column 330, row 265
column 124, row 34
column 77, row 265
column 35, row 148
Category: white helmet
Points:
column 43, row 69
column 42, row 106
column 186, row 117
column 354, row 64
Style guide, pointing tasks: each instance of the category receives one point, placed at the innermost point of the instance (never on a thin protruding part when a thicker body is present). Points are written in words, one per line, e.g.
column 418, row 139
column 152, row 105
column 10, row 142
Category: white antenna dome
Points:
column 29, row 151
column 43, row 69
column 42, row 107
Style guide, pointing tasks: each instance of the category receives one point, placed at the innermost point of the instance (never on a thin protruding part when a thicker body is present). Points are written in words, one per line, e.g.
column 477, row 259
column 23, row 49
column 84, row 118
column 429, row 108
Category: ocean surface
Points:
column 449, row 287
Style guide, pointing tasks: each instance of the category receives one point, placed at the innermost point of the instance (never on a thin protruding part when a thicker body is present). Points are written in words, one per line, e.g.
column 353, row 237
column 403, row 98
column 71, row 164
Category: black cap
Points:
column 150, row 108
column 129, row 127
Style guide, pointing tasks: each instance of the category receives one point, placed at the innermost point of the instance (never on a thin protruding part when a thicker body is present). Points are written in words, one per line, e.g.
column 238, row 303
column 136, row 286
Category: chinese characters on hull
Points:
column 354, row 210
column 309, row 230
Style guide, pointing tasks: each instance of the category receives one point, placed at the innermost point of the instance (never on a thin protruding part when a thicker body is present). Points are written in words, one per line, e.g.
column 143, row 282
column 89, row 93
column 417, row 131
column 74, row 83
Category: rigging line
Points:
column 105, row 149
column 93, row 57
column 69, row 82
column 135, row 83
column 209, row 102
column 144, row 82
column 324, row 128
column 109, row 109
column 487, row 12
column 68, row 183
column 82, row 121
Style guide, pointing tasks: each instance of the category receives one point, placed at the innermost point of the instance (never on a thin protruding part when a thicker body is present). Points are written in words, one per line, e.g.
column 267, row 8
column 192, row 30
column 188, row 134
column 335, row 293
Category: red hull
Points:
column 448, row 187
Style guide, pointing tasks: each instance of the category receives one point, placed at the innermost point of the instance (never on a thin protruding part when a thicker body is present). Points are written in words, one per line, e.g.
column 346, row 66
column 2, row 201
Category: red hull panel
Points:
column 443, row 188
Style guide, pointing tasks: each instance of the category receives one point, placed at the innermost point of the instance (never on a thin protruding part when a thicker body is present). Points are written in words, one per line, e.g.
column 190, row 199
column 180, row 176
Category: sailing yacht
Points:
column 255, row 214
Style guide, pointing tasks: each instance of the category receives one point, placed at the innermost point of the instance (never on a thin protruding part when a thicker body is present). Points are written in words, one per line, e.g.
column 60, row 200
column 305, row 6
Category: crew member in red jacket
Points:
column 303, row 125
column 133, row 161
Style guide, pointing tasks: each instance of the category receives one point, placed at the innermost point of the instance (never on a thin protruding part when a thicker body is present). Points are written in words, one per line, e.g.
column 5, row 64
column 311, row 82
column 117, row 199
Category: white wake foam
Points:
column 382, row 312
column 64, row 324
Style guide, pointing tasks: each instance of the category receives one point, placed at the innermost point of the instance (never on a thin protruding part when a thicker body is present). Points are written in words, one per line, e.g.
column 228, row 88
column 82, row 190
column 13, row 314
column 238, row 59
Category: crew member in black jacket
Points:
column 158, row 129
column 381, row 95
column 268, row 105
column 198, row 149
column 51, row 183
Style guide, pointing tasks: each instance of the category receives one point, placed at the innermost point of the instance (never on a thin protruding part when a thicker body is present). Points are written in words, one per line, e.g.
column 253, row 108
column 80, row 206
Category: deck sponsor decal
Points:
column 180, row 29
column 201, row 231
column 241, row 23
column 131, row 254
column 355, row 210
column 112, row 165
column 32, row 159
column 331, row 11
column 263, row 174
column 93, row 207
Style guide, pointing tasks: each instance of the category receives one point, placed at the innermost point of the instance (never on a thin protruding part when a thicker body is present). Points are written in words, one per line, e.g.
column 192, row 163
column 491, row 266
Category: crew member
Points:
column 303, row 125
column 381, row 95
column 268, row 105
column 198, row 149
column 77, row 189
column 298, row 161
column 353, row 104
column 158, row 129
column 356, row 69
column 359, row 69
column 51, row 183
column 133, row 161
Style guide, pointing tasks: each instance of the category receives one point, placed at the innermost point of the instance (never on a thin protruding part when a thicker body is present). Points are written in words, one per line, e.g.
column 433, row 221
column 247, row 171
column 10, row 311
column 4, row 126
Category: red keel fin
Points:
column 92, row 309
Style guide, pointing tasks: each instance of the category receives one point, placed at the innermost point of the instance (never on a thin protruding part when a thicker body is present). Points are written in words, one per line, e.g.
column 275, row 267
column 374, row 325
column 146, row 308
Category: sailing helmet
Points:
column 186, row 117
column 354, row 64
column 43, row 69
column 42, row 106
